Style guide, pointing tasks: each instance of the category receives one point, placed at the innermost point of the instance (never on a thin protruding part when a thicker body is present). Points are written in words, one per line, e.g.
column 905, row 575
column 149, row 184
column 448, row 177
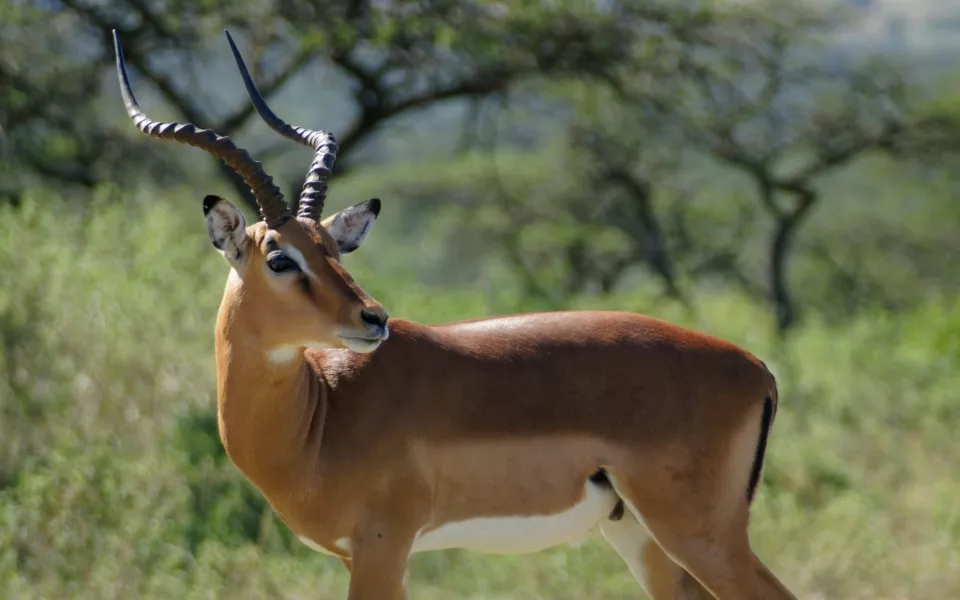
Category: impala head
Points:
column 287, row 283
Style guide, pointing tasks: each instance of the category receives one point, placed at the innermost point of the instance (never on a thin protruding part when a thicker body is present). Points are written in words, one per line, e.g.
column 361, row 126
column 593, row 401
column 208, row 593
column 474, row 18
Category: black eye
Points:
column 281, row 263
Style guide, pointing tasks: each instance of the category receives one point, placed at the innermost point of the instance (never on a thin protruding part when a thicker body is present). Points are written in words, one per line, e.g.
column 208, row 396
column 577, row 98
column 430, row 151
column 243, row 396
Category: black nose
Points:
column 372, row 318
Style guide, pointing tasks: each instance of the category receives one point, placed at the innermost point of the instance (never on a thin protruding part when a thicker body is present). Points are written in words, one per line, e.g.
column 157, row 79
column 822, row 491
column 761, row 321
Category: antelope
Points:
column 374, row 438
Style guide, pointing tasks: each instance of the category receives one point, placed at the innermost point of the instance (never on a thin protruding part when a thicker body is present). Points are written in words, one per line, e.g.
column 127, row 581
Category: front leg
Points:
column 402, row 594
column 378, row 560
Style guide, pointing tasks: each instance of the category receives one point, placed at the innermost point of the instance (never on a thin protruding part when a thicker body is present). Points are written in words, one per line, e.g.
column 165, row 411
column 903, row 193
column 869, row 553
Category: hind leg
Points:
column 727, row 567
column 659, row 576
column 720, row 561
column 694, row 503
column 772, row 587
column 704, row 534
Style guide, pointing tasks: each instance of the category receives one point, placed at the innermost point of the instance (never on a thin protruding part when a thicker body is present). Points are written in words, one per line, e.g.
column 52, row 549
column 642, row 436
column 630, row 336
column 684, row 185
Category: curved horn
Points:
column 273, row 208
column 314, row 191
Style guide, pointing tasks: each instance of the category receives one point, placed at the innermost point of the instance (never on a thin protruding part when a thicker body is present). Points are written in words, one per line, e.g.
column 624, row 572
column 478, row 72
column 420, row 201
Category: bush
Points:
column 113, row 482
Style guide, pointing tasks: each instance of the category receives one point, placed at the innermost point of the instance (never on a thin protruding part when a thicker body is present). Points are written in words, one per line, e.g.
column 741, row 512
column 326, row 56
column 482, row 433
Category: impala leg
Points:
column 402, row 594
column 698, row 514
column 707, row 538
column 714, row 551
column 722, row 562
column 772, row 587
column 378, row 564
column 659, row 576
column 729, row 573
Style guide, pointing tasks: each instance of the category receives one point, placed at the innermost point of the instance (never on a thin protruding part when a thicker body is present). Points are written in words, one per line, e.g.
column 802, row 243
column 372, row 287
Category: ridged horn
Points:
column 314, row 191
column 273, row 208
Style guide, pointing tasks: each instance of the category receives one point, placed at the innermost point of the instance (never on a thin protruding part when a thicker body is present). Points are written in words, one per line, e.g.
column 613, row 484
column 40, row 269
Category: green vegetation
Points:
column 113, row 483
column 726, row 166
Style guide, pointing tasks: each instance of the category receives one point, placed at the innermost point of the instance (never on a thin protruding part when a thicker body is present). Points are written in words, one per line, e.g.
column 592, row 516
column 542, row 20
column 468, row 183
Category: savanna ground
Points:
column 113, row 483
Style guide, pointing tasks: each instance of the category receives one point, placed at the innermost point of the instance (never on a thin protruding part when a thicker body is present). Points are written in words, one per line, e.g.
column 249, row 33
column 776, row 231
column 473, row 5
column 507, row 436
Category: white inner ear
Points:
column 227, row 228
column 350, row 227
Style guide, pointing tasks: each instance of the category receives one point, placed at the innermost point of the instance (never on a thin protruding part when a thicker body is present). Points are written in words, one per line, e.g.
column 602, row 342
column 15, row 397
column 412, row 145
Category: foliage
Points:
column 655, row 157
column 114, row 483
column 389, row 59
column 646, row 95
column 758, row 94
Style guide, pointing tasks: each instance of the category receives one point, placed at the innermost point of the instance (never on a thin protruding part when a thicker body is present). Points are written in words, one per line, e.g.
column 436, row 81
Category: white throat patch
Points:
column 284, row 354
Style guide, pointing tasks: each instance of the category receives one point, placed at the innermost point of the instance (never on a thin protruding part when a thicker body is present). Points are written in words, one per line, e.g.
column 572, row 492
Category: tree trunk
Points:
column 782, row 244
column 654, row 249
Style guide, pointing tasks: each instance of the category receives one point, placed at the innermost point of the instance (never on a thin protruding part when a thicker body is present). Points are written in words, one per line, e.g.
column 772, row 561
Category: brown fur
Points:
column 504, row 416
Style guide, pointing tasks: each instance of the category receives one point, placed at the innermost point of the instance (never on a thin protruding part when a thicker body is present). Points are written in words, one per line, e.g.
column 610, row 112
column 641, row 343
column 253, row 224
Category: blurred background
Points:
column 780, row 174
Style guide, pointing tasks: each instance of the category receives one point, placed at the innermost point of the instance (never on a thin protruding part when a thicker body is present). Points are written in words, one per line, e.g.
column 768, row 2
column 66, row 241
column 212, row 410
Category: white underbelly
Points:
column 519, row 535
column 342, row 544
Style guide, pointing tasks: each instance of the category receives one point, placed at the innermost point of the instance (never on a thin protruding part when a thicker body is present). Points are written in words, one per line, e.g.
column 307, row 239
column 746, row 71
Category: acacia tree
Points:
column 768, row 103
column 398, row 56
column 54, row 56
column 759, row 92
column 584, row 230
column 763, row 94
column 625, row 175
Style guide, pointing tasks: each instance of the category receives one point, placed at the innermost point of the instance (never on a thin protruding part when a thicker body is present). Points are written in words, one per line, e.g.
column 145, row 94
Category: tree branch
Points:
column 373, row 115
column 654, row 247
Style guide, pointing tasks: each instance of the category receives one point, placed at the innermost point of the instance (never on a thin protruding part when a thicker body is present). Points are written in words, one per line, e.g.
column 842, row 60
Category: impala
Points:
column 373, row 439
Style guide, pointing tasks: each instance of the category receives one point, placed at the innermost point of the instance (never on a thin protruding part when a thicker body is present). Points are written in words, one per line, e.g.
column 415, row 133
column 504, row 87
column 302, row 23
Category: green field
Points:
column 113, row 483
column 781, row 175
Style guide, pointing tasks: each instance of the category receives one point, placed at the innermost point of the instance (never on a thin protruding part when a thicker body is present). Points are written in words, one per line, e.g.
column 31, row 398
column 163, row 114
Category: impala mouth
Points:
column 364, row 343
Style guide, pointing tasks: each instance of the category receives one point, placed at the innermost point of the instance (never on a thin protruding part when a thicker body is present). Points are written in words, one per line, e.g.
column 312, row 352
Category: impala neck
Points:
column 269, row 411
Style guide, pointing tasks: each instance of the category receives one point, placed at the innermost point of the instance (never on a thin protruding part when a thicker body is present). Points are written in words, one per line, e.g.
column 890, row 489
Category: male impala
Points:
column 503, row 435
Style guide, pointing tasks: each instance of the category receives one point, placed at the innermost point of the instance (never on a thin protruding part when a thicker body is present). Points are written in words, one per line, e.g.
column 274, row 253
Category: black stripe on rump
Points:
column 761, row 448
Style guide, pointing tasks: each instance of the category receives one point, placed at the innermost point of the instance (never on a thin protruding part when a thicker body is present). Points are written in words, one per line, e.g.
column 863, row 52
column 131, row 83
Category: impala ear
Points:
column 227, row 227
column 351, row 225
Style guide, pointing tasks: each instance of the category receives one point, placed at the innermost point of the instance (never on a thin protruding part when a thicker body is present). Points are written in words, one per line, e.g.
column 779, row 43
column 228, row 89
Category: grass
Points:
column 113, row 483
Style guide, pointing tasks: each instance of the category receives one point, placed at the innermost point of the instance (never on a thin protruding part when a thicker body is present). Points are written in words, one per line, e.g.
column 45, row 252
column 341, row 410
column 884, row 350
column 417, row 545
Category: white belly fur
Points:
column 520, row 535
column 342, row 544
